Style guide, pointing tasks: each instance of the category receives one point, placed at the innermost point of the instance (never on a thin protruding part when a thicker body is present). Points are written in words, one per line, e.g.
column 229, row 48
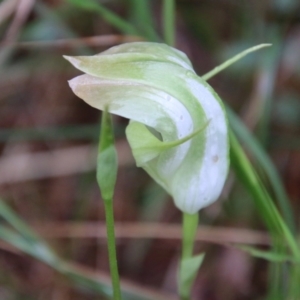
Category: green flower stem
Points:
column 189, row 229
column 169, row 21
column 107, row 165
column 111, row 242
column 190, row 224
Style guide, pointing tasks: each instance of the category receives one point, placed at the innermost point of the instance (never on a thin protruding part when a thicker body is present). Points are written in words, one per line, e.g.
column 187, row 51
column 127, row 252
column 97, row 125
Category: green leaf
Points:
column 189, row 268
column 267, row 255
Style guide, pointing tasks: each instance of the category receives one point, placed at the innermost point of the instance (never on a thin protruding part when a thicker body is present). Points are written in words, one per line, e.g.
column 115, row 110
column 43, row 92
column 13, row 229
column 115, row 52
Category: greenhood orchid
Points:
column 178, row 129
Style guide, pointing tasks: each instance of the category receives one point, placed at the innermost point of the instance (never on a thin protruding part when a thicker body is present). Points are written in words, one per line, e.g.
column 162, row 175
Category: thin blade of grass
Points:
column 266, row 164
column 268, row 68
column 141, row 15
column 107, row 15
column 38, row 249
column 86, row 132
column 10, row 217
column 267, row 255
column 262, row 199
column 24, row 238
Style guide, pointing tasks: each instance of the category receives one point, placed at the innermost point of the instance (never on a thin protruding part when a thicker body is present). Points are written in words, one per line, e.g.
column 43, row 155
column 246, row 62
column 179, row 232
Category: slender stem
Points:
column 231, row 61
column 190, row 224
column 107, row 165
column 169, row 21
column 111, row 242
column 189, row 229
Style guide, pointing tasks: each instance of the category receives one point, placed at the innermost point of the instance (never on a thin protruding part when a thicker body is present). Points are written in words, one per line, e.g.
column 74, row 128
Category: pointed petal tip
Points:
column 72, row 59
column 73, row 83
column 66, row 57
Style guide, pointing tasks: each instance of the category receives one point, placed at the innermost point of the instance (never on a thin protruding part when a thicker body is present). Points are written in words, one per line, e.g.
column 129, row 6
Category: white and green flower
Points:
column 178, row 128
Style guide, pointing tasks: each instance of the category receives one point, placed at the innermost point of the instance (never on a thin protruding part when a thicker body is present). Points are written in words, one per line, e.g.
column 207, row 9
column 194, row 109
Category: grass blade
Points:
column 38, row 249
column 262, row 199
column 266, row 164
column 141, row 16
column 107, row 15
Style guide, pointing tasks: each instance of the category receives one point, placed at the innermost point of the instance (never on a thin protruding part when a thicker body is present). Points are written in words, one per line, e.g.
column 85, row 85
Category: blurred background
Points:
column 48, row 142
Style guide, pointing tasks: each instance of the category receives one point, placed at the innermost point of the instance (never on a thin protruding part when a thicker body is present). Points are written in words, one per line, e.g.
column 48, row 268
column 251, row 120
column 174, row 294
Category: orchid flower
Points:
column 178, row 129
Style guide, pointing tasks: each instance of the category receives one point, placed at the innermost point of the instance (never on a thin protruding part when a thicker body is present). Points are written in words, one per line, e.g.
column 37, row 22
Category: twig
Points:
column 218, row 235
column 93, row 41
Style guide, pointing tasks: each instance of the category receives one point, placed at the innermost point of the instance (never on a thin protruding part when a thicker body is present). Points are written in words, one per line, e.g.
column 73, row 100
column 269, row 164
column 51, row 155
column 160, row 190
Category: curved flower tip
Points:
column 178, row 128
